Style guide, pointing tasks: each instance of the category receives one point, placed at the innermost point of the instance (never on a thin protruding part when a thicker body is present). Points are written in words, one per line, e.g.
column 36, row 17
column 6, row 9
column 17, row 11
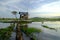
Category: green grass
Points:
column 5, row 33
column 31, row 30
column 39, row 19
column 48, row 27
column 45, row 26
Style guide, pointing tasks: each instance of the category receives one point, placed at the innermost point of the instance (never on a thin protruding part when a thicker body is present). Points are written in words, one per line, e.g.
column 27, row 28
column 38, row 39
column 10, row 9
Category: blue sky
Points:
column 34, row 7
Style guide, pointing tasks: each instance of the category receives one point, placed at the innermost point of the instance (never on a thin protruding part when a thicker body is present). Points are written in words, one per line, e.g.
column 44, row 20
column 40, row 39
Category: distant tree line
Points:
column 44, row 19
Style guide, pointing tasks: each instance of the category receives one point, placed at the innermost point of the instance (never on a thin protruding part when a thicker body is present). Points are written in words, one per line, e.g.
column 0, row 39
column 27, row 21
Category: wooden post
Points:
column 18, row 32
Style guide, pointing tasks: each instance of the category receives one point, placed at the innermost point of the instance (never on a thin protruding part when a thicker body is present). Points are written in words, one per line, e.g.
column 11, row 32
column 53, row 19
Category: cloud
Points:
column 22, row 5
column 51, row 7
column 35, row 1
column 33, row 4
column 13, row 5
column 6, row 6
column 44, row 14
column 9, row 2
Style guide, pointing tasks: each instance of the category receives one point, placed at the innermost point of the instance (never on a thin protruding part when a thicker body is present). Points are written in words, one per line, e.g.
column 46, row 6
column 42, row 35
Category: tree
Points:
column 14, row 13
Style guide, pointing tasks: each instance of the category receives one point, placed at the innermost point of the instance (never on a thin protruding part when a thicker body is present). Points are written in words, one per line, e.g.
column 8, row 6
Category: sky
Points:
column 36, row 8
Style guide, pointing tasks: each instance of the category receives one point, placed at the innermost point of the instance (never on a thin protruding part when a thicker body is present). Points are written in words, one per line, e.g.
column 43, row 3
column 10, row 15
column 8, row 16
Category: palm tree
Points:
column 14, row 13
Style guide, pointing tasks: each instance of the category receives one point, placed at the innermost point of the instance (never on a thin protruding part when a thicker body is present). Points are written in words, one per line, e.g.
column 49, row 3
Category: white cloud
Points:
column 8, row 2
column 42, row 0
column 11, row 5
column 51, row 7
column 35, row 1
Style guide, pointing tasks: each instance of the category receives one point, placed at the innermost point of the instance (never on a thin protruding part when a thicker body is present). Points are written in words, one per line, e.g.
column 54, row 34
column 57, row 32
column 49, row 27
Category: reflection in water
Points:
column 4, row 25
column 48, row 34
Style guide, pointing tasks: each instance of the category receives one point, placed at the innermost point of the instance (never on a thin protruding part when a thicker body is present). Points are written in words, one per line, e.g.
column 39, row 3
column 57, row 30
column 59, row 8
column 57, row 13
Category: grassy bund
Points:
column 35, row 19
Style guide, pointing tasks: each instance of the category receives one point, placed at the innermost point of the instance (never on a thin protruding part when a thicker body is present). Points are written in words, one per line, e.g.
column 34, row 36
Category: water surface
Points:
column 48, row 34
column 4, row 25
